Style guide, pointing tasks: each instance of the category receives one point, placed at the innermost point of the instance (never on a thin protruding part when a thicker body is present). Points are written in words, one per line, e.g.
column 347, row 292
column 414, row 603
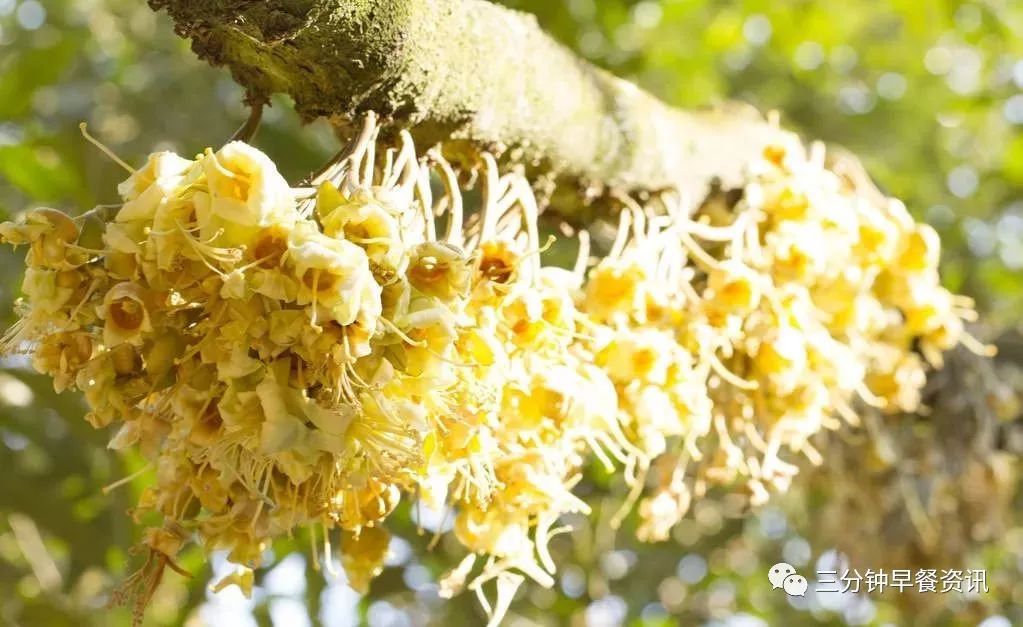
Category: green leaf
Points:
column 38, row 172
column 29, row 69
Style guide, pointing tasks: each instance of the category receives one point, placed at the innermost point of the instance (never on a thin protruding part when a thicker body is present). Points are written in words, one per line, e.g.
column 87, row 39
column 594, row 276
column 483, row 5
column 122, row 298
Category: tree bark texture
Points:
column 476, row 76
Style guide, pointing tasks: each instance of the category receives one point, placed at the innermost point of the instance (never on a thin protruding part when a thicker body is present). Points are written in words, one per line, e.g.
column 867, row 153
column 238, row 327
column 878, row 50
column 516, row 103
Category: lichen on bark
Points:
column 475, row 76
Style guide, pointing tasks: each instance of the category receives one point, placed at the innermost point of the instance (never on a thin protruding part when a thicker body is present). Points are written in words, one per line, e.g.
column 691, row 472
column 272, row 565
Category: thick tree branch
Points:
column 475, row 75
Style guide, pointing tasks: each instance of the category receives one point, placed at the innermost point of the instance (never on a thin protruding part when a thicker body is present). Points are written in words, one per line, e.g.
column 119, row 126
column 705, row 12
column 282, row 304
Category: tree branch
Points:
column 475, row 75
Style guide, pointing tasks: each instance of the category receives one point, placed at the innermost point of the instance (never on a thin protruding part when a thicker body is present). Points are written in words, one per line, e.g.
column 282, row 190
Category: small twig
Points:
column 247, row 131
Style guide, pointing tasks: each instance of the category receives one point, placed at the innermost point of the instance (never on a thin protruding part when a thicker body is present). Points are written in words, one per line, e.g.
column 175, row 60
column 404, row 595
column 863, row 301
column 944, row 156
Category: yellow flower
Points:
column 356, row 508
column 165, row 541
column 945, row 336
column 921, row 249
column 434, row 329
column 208, row 488
column 482, row 530
column 662, row 511
column 781, row 357
column 616, row 292
column 386, row 436
column 439, row 270
column 788, row 204
column 655, row 417
column 363, row 220
column 150, row 185
column 61, row 355
column 362, row 554
column 243, row 577
column 733, row 287
column 175, row 231
column 522, row 312
column 124, row 239
column 641, row 355
column 49, row 233
column 498, row 263
column 284, row 370
column 288, row 410
column 245, row 188
column 49, row 290
column 925, row 307
column 897, row 378
column 270, row 246
column 207, row 429
column 798, row 252
column 334, row 274
column 878, row 237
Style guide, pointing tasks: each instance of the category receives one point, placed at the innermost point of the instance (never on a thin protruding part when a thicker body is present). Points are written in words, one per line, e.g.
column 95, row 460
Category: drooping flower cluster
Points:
column 757, row 327
column 535, row 401
column 307, row 357
column 279, row 362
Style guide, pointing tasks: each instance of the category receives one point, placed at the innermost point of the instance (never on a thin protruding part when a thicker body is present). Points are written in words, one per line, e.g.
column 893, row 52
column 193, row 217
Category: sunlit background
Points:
column 928, row 93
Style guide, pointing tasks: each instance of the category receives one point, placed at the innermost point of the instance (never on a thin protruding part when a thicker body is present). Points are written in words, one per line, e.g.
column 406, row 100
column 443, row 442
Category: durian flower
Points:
column 288, row 365
column 878, row 236
column 61, row 355
column 363, row 220
column 125, row 315
column 362, row 554
column 733, row 287
column 439, row 270
column 246, row 192
column 781, row 357
column 670, row 502
column 150, row 185
column 921, row 249
column 50, row 234
column 334, row 275
column 49, row 290
column 617, row 292
column 643, row 355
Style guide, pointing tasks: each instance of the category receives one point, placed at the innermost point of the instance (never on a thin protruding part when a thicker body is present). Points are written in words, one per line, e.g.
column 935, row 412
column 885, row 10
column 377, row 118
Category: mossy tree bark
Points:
column 477, row 76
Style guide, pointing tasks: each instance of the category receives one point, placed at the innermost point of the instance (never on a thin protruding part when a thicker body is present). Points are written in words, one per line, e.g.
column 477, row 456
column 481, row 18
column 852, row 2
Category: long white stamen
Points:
column 454, row 234
column 83, row 127
column 491, row 195
column 582, row 258
column 622, row 236
column 107, row 489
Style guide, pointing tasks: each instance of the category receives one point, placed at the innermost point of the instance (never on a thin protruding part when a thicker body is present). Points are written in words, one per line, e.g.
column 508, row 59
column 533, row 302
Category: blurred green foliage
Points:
column 928, row 93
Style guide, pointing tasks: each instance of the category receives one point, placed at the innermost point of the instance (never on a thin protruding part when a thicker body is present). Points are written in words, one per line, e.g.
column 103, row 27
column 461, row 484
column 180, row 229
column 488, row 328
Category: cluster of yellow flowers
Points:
column 304, row 357
column 532, row 401
column 733, row 335
column 278, row 354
